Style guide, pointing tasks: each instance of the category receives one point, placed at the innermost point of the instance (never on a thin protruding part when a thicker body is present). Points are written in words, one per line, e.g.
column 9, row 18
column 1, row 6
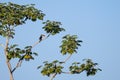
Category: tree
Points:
column 13, row 15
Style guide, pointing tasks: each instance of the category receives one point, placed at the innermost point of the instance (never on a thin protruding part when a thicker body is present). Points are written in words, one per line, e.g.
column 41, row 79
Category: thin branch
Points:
column 36, row 43
column 67, row 59
column 67, row 72
column 53, row 76
column 48, row 35
column 18, row 65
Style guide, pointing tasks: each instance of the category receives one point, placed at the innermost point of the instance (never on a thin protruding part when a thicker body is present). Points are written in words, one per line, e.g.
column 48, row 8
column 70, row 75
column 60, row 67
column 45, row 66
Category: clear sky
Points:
column 96, row 22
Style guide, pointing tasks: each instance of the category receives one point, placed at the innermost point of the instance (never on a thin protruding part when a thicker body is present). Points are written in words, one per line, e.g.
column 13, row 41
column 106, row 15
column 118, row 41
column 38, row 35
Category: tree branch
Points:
column 67, row 59
column 67, row 72
column 53, row 76
column 36, row 43
column 17, row 65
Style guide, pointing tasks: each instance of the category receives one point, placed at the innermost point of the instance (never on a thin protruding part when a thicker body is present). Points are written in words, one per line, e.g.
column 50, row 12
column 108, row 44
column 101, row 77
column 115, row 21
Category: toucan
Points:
column 42, row 36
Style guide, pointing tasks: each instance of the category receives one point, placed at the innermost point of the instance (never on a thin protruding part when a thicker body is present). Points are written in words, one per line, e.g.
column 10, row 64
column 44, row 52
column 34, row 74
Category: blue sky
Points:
column 96, row 22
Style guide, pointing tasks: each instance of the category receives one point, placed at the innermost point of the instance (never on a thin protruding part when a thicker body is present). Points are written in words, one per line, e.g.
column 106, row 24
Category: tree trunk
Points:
column 10, row 71
column 7, row 60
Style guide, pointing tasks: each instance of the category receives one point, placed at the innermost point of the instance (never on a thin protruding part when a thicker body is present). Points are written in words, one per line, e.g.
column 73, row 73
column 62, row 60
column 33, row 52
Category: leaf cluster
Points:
column 6, row 31
column 13, row 14
column 15, row 52
column 52, row 27
column 52, row 68
column 69, row 44
column 89, row 67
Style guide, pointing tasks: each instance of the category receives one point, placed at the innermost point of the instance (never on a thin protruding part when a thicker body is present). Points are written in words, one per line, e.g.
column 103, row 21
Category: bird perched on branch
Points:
column 42, row 36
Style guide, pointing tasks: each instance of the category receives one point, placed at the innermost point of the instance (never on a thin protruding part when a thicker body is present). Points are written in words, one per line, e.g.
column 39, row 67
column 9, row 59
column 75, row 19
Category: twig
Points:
column 18, row 65
column 53, row 76
column 67, row 72
column 35, row 44
column 67, row 58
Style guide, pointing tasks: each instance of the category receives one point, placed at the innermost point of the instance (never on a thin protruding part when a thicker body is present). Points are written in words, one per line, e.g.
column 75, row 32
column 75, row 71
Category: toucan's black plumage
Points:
column 41, row 37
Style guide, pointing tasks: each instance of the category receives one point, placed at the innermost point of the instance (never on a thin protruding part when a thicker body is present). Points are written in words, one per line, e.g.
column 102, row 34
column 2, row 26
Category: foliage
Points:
column 89, row 67
column 13, row 15
column 52, row 68
column 56, row 67
column 6, row 31
column 15, row 52
column 52, row 27
column 69, row 44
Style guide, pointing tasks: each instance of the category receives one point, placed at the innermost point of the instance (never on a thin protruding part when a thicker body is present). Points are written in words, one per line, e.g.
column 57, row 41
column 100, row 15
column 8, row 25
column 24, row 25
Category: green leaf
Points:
column 39, row 67
column 13, row 46
column 56, row 61
column 28, row 47
column 35, row 54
